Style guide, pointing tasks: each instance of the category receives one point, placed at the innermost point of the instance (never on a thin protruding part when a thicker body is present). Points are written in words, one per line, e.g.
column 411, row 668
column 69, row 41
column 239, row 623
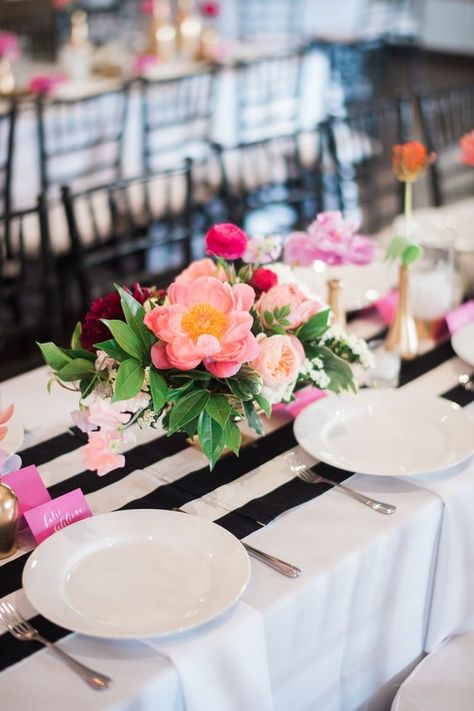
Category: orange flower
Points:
column 467, row 148
column 409, row 160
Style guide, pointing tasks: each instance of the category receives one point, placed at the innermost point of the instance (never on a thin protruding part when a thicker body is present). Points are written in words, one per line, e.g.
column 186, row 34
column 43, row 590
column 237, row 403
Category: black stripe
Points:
column 412, row 369
column 460, row 395
column 52, row 448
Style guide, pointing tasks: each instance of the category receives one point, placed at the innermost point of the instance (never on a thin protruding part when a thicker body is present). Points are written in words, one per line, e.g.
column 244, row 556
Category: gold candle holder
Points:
column 402, row 335
column 335, row 287
column 7, row 80
column 9, row 517
column 163, row 38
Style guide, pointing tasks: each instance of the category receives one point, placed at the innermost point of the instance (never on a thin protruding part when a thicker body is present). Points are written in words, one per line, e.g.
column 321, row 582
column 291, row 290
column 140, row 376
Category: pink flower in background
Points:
column 207, row 321
column 44, row 83
column 143, row 62
column 466, row 145
column 332, row 239
column 202, row 267
column 301, row 307
column 101, row 452
column 278, row 363
column 210, row 9
column 262, row 250
column 226, row 240
column 9, row 46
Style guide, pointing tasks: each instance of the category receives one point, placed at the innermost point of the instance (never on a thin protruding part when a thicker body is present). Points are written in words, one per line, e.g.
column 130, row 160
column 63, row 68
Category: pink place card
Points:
column 387, row 305
column 28, row 486
column 303, row 398
column 460, row 316
column 58, row 513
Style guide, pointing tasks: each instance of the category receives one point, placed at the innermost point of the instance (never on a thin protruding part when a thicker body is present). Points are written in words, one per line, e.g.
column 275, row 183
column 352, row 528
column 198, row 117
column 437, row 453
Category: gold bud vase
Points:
column 402, row 335
column 9, row 517
column 335, row 303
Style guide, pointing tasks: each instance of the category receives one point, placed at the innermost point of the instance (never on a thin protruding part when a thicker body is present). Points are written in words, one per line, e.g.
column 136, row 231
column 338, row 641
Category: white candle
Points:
column 431, row 292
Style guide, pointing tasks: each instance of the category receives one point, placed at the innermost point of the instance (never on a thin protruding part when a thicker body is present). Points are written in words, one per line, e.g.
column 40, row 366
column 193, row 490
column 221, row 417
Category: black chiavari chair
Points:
column 29, row 293
column 446, row 115
column 361, row 144
column 261, row 18
column 176, row 119
column 7, row 144
column 268, row 95
column 80, row 140
column 138, row 229
column 277, row 184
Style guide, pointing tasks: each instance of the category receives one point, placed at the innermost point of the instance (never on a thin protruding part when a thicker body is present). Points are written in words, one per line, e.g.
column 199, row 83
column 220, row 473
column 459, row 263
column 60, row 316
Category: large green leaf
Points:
column 252, row 418
column 232, row 437
column 246, row 383
column 264, row 404
column 79, row 353
column 211, row 437
column 126, row 338
column 314, row 327
column 76, row 370
column 112, row 348
column 76, row 336
column 338, row 370
column 129, row 380
column 218, row 408
column 158, row 389
column 53, row 355
column 186, row 409
column 134, row 315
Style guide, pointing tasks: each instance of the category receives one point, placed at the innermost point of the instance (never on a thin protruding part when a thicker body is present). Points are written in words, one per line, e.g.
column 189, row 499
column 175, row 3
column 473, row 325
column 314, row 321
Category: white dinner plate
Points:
column 362, row 285
column 13, row 439
column 386, row 432
column 137, row 573
column 463, row 343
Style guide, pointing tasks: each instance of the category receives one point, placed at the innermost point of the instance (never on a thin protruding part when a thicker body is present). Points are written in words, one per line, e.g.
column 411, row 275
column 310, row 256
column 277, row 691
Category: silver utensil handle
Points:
column 291, row 571
column 92, row 678
column 379, row 506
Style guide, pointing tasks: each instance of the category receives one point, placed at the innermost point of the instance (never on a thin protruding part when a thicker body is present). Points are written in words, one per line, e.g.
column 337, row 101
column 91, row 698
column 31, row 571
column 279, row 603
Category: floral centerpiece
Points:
column 221, row 343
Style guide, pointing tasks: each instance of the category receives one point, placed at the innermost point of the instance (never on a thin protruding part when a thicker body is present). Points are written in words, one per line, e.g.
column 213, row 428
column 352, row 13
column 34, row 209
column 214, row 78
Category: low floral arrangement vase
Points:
column 221, row 342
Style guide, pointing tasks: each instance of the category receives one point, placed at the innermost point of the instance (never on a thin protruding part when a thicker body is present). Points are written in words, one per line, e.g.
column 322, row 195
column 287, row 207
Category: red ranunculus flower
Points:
column 263, row 280
column 409, row 160
column 108, row 307
column 210, row 9
column 226, row 240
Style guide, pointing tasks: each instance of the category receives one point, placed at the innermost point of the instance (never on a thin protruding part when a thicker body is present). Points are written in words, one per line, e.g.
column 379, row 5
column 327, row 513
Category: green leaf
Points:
column 338, row 370
column 411, row 253
column 396, row 248
column 76, row 370
column 186, row 409
column 268, row 316
column 264, row 404
column 79, row 353
column 314, row 327
column 134, row 315
column 87, row 385
column 191, row 427
column 285, row 310
column 76, row 336
column 278, row 330
column 246, row 384
column 211, row 437
column 129, row 380
column 112, row 348
column 218, row 408
column 232, row 437
column 126, row 338
column 158, row 389
column 53, row 355
column 192, row 375
column 252, row 418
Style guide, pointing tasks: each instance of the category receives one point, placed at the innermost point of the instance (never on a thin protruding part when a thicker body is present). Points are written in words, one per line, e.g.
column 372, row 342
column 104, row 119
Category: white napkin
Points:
column 452, row 607
column 222, row 666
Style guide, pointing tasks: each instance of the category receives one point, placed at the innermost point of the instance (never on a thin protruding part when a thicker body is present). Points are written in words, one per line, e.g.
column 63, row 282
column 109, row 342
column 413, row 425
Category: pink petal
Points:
column 3, row 432
column 224, row 369
column 159, row 357
column 244, row 297
column 6, row 414
column 207, row 346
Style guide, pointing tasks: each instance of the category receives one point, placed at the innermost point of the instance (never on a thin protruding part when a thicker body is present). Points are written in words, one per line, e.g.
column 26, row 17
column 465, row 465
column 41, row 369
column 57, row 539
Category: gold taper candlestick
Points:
column 335, row 287
column 402, row 335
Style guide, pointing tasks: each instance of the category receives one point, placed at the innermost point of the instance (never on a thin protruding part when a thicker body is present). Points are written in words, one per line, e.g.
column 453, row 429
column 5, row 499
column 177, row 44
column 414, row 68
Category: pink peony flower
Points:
column 101, row 452
column 206, row 321
column 278, row 363
column 226, row 240
column 262, row 250
column 332, row 239
column 467, row 148
column 301, row 307
column 202, row 267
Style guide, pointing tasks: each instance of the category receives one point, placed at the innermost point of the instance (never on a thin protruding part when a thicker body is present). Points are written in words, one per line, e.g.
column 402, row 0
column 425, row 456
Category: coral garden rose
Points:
column 263, row 280
column 226, row 240
column 206, row 321
column 301, row 307
column 202, row 267
column 278, row 363
column 467, row 149
column 409, row 160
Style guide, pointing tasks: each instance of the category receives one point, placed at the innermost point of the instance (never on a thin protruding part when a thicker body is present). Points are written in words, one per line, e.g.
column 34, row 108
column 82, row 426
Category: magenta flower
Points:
column 226, row 240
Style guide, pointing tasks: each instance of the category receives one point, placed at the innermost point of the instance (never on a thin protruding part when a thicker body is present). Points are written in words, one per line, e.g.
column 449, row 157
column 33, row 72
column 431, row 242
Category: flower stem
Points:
column 408, row 209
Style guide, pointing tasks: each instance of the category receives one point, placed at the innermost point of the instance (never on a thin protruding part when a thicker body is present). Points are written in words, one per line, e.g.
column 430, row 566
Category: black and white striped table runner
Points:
column 193, row 485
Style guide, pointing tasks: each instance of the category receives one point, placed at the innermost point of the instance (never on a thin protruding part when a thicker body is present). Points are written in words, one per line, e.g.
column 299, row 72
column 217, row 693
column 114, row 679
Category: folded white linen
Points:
column 222, row 666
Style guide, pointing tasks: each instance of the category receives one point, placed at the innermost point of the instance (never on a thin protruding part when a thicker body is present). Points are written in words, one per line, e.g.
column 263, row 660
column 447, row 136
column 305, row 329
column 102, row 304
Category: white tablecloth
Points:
column 371, row 600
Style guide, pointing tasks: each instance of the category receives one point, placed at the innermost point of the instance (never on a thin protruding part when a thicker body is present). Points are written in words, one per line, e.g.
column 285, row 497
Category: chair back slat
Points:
column 279, row 18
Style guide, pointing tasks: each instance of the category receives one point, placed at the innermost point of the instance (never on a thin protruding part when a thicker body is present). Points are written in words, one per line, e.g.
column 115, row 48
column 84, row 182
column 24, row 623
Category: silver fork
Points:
column 307, row 475
column 25, row 632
